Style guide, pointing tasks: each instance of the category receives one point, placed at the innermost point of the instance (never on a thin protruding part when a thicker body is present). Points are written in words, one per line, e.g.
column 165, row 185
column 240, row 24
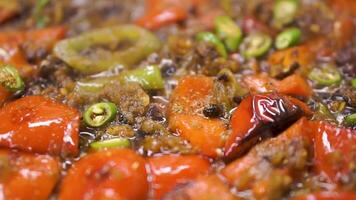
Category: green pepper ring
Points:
column 256, row 45
column 144, row 43
column 100, row 114
column 326, row 76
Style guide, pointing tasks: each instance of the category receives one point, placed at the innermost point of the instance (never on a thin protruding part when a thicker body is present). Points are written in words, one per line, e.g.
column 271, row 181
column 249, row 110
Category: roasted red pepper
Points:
column 40, row 125
column 259, row 116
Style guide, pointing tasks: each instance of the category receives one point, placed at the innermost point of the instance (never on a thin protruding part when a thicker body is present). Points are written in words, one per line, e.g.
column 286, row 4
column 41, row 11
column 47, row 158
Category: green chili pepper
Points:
column 353, row 82
column 149, row 78
column 213, row 39
column 256, row 45
column 350, row 120
column 40, row 18
column 229, row 32
column 288, row 38
column 284, row 12
column 326, row 75
column 111, row 143
column 100, row 114
column 78, row 51
column 11, row 79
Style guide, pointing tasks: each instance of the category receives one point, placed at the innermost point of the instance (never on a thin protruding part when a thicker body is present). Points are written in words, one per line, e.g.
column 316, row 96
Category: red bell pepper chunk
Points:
column 328, row 196
column 40, row 125
column 27, row 176
column 256, row 115
column 169, row 171
column 334, row 149
column 112, row 174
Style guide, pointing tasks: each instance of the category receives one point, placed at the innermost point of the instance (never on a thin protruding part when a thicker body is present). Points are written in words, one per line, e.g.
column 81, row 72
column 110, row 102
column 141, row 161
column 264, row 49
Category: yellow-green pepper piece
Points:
column 229, row 32
column 74, row 51
column 149, row 78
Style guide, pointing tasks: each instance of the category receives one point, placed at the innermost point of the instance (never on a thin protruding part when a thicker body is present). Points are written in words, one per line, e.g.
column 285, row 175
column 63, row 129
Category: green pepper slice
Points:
column 111, row 143
column 288, row 38
column 213, row 39
column 229, row 32
column 100, row 114
column 284, row 12
column 11, row 79
column 326, row 75
column 256, row 45
column 350, row 120
column 74, row 51
column 149, row 78
column 353, row 82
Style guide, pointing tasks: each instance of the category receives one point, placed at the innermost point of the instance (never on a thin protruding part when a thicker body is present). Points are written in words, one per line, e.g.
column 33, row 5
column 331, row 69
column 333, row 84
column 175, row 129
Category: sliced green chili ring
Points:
column 213, row 39
column 111, row 143
column 74, row 51
column 284, row 12
column 353, row 82
column 100, row 114
column 326, row 75
column 11, row 79
column 350, row 120
column 149, row 78
column 288, row 38
column 229, row 32
column 256, row 45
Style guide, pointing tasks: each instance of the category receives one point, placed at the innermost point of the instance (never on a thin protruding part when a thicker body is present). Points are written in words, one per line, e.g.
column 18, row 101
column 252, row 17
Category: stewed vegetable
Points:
column 100, row 114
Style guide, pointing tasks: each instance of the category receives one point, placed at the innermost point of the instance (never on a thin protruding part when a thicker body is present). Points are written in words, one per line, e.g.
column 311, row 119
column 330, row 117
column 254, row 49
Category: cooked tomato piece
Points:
column 335, row 150
column 291, row 85
column 4, row 94
column 328, row 196
column 40, row 125
column 259, row 116
column 112, row 174
column 302, row 55
column 203, row 188
column 160, row 13
column 10, row 43
column 295, row 85
column 27, row 176
column 188, row 100
column 191, row 95
column 171, row 170
column 204, row 134
column 8, row 10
